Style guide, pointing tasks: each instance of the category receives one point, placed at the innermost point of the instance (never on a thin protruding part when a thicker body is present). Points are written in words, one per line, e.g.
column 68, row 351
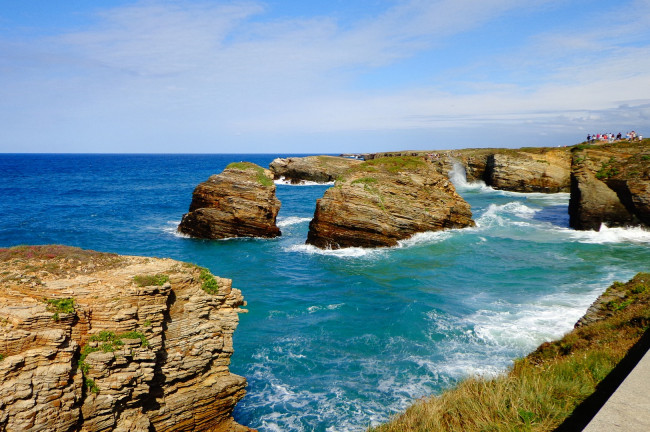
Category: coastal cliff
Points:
column 542, row 169
column 319, row 169
column 100, row 342
column 385, row 200
column 239, row 202
column 610, row 184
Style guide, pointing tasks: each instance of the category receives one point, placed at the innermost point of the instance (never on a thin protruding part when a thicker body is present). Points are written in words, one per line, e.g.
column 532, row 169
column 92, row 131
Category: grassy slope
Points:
column 542, row 389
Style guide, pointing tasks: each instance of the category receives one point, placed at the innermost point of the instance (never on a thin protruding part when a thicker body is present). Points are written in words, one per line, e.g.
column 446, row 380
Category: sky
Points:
column 336, row 76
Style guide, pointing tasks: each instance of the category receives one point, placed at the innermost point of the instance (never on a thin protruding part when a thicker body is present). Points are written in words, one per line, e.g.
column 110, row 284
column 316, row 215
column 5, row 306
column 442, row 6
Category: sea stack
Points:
column 239, row 202
column 102, row 342
column 382, row 201
column 610, row 185
column 319, row 169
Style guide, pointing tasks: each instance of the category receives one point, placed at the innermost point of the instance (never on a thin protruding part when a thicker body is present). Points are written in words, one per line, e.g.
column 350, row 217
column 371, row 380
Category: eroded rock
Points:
column 610, row 184
column 100, row 342
column 319, row 169
column 385, row 200
column 239, row 202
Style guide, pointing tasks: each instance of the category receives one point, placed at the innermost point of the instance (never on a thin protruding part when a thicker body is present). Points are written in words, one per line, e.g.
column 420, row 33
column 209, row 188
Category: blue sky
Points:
column 162, row 76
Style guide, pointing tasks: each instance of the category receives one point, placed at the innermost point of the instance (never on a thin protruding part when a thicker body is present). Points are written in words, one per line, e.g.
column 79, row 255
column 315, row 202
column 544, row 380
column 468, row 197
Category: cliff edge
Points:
column 610, row 184
column 100, row 342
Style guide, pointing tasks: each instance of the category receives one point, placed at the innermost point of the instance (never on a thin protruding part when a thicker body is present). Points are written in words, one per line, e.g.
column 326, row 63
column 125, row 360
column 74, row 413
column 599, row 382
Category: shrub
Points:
column 65, row 305
column 210, row 284
column 150, row 280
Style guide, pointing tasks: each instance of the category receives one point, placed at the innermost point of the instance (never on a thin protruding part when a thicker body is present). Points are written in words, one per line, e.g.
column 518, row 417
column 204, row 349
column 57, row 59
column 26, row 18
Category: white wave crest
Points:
column 427, row 237
column 351, row 252
column 495, row 212
column 171, row 228
column 609, row 235
column 292, row 220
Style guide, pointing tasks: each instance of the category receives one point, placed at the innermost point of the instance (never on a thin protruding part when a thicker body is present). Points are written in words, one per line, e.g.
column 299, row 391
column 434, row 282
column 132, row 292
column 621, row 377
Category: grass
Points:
column 57, row 259
column 210, row 284
column 245, row 166
column 65, row 305
column 107, row 341
column 150, row 280
column 541, row 390
column 391, row 164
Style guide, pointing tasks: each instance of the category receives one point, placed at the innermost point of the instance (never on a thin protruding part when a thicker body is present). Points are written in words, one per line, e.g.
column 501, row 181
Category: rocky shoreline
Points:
column 102, row 342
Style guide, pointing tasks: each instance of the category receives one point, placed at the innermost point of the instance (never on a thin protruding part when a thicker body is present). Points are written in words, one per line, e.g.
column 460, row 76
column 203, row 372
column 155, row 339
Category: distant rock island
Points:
column 381, row 201
column 101, row 342
column 239, row 202
column 319, row 169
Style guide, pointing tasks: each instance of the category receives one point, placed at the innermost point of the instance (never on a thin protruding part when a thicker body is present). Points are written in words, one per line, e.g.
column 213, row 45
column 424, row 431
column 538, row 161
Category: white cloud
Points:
column 209, row 71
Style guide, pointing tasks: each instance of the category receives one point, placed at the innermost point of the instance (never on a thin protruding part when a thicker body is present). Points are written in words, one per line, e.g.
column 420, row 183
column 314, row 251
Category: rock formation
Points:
column 610, row 184
column 101, row 342
column 319, row 169
column 385, row 200
column 239, row 202
column 544, row 170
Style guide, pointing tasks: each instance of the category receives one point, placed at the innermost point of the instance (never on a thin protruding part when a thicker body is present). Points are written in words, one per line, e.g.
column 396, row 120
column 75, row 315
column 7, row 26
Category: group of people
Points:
column 610, row 137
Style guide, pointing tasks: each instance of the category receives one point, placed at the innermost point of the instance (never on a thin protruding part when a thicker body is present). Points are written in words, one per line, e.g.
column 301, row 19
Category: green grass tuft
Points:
column 150, row 280
column 245, row 166
column 58, row 306
column 210, row 284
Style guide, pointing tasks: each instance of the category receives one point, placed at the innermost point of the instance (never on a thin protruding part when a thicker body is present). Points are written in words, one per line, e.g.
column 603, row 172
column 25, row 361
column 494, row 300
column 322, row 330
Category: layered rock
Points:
column 524, row 171
column 610, row 184
column 319, row 169
column 239, row 202
column 545, row 170
column 385, row 200
column 100, row 342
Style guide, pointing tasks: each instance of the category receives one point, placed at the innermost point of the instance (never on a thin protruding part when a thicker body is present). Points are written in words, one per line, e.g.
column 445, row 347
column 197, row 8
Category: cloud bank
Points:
column 157, row 76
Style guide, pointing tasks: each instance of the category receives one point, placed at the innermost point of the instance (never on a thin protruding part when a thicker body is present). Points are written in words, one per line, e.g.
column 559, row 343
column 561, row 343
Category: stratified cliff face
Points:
column 101, row 342
column 385, row 200
column 239, row 202
column 610, row 184
column 522, row 171
column 545, row 169
column 320, row 169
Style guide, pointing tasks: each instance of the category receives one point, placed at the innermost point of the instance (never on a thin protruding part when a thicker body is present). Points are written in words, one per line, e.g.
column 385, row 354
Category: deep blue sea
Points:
column 337, row 340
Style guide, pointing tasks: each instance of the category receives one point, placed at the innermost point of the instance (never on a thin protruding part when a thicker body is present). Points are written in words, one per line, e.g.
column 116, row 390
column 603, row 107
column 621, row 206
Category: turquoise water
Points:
column 338, row 340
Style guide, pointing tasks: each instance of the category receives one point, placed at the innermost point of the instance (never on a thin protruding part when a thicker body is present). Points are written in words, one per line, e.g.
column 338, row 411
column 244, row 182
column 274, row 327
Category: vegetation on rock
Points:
column 150, row 280
column 65, row 306
column 261, row 176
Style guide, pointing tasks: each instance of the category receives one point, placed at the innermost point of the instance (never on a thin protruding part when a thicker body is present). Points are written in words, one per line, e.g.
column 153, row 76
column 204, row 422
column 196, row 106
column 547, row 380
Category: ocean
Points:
column 338, row 340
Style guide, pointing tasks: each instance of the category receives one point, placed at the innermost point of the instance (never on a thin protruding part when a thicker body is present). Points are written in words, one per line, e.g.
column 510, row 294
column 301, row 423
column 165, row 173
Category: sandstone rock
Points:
column 522, row 171
column 385, row 200
column 126, row 354
column 320, row 169
column 239, row 202
column 610, row 184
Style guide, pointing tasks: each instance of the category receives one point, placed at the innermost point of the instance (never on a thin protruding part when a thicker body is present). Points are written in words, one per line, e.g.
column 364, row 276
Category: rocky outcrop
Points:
column 319, row 169
column 523, row 171
column 385, row 200
column 617, row 297
column 101, row 342
column 239, row 202
column 542, row 169
column 610, row 184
